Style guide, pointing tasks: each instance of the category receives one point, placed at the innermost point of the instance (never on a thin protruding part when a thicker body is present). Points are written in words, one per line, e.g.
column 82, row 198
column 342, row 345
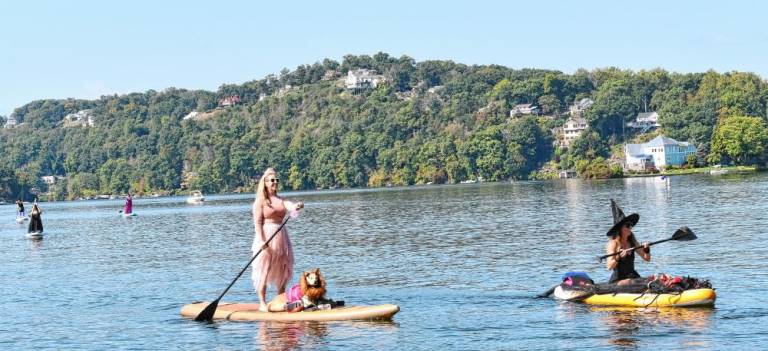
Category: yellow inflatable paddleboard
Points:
column 688, row 298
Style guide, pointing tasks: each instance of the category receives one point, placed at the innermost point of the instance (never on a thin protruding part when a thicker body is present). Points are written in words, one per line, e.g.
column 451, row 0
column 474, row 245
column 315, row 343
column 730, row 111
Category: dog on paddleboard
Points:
column 308, row 294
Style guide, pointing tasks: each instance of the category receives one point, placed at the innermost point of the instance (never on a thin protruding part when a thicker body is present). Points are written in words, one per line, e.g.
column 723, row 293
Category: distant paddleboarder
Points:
column 35, row 221
column 128, row 205
column 20, row 208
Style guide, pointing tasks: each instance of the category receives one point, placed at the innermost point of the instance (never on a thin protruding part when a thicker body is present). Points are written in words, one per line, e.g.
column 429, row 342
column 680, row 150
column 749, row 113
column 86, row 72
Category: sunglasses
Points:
column 273, row 180
column 628, row 225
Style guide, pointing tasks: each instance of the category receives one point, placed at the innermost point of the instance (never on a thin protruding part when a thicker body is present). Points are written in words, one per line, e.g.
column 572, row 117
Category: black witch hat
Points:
column 619, row 219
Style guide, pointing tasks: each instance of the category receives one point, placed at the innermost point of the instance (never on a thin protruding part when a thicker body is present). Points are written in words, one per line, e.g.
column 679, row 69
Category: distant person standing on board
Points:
column 35, row 221
column 128, row 204
column 20, row 208
column 274, row 266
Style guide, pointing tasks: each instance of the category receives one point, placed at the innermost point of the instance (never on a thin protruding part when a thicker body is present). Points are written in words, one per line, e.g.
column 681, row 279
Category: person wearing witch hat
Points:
column 621, row 239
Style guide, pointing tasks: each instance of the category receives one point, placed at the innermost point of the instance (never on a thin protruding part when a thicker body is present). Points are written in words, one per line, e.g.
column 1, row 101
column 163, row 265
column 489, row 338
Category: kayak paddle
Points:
column 208, row 311
column 682, row 234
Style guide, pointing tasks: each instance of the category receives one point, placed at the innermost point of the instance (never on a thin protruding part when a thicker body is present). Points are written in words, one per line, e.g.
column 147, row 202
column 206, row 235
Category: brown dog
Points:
column 309, row 291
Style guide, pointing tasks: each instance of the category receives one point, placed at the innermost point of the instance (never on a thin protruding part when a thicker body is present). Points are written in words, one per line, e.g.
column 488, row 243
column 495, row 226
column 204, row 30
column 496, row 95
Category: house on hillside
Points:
column 362, row 79
column 231, row 100
column 661, row 152
column 578, row 108
column 331, row 74
column 523, row 109
column 572, row 129
column 10, row 123
column 82, row 118
column 51, row 180
column 645, row 121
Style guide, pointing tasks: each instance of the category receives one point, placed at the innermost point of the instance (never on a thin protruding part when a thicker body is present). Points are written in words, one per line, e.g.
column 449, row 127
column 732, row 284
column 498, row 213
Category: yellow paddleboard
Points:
column 250, row 312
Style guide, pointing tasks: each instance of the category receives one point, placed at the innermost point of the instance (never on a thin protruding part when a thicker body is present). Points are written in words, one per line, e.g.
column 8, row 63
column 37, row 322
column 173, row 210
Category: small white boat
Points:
column 195, row 197
column 717, row 170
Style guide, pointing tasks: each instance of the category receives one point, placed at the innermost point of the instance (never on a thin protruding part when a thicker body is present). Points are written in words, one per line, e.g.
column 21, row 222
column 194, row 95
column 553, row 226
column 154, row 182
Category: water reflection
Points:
column 290, row 335
column 628, row 326
column 313, row 335
column 37, row 243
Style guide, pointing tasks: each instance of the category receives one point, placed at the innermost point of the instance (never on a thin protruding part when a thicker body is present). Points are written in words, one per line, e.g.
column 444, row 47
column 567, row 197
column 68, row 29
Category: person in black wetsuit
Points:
column 621, row 239
column 35, row 221
column 20, row 208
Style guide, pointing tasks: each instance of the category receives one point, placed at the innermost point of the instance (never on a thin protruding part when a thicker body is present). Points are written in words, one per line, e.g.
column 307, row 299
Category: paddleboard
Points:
column 250, row 312
column 132, row 214
column 21, row 219
column 35, row 235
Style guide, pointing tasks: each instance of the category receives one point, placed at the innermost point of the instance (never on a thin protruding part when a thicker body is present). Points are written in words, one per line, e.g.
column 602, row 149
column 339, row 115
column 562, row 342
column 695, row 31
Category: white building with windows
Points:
column 645, row 121
column 572, row 129
column 523, row 109
column 578, row 108
column 10, row 123
column 82, row 118
column 362, row 79
column 661, row 152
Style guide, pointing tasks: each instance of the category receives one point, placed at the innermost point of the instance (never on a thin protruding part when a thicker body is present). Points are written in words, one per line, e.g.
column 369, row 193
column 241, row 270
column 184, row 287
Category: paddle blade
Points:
column 684, row 234
column 547, row 293
column 208, row 312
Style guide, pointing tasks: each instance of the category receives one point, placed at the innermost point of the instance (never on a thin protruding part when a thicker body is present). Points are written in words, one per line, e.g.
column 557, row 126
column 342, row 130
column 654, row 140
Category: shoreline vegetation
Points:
column 672, row 172
column 377, row 121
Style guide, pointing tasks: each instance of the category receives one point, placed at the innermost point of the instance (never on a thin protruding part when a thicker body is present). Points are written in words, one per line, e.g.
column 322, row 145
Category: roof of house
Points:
column 647, row 115
column 585, row 103
column 662, row 140
column 578, row 120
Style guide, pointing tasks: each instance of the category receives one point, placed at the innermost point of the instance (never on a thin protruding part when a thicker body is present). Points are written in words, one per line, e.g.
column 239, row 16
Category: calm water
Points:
column 463, row 262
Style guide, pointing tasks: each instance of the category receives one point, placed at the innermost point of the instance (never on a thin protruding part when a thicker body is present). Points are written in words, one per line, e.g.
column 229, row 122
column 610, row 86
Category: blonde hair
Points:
column 261, row 190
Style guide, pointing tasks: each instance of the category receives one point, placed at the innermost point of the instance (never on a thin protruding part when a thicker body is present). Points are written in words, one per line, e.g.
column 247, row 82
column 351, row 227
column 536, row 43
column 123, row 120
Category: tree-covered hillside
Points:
column 431, row 121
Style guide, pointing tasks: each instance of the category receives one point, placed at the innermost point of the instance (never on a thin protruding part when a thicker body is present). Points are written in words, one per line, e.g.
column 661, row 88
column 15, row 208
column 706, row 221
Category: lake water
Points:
column 463, row 262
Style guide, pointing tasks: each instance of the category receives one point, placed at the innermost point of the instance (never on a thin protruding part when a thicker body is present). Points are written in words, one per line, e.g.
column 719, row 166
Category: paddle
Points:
column 208, row 311
column 682, row 234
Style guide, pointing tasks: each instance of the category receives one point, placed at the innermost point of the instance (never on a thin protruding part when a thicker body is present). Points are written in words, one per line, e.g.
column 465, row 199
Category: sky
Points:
column 85, row 49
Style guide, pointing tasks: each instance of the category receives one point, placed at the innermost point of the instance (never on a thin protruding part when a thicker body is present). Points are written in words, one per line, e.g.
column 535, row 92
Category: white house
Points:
column 572, row 129
column 82, row 118
column 578, row 108
column 645, row 121
column 660, row 152
column 10, row 123
column 523, row 109
column 51, row 180
column 362, row 79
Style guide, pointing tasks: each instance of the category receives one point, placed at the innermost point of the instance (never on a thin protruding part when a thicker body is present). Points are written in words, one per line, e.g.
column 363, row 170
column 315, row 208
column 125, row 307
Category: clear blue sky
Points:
column 84, row 49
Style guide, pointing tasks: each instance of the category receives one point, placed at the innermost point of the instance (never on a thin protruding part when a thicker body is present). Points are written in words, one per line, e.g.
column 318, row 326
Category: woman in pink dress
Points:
column 274, row 266
column 128, row 209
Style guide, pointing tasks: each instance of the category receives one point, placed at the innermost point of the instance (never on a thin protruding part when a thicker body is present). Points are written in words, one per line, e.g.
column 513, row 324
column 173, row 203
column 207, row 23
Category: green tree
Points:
column 739, row 138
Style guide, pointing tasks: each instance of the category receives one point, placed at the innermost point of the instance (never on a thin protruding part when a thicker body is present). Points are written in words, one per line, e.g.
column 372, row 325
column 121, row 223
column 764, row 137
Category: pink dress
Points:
column 274, row 266
column 128, row 205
